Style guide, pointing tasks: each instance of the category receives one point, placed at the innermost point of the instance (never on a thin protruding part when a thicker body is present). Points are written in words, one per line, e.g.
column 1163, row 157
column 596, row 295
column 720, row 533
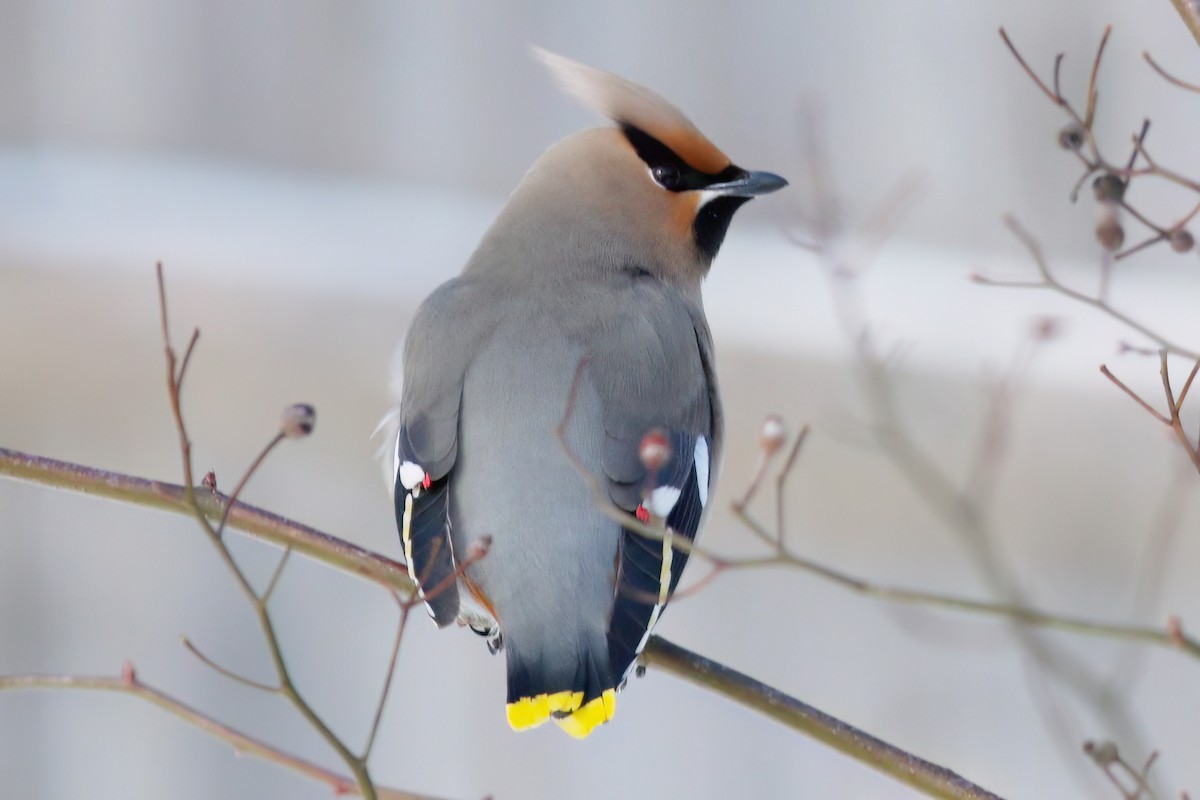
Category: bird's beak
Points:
column 749, row 184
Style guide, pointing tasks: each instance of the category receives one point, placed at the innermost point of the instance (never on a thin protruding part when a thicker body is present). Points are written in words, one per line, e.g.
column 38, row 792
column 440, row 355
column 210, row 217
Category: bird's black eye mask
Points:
column 674, row 174
column 669, row 170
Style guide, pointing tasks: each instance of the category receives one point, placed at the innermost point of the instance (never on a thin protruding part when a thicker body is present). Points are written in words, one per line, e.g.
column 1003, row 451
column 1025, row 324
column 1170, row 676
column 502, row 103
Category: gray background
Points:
column 308, row 171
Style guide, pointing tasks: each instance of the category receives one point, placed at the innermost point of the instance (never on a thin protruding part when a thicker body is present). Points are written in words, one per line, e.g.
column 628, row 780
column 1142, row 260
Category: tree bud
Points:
column 298, row 421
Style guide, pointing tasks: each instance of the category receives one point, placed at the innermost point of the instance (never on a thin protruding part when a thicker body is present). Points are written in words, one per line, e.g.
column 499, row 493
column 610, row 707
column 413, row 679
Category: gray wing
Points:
column 437, row 350
column 656, row 372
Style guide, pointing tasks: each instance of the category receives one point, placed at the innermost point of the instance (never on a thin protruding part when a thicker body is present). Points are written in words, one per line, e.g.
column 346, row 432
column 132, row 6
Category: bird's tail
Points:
column 576, row 690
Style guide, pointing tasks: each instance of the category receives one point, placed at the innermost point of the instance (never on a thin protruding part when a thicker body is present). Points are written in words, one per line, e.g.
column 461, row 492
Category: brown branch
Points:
column 342, row 555
column 941, row 493
column 241, row 484
column 1191, row 87
column 783, row 557
column 1104, row 370
column 1049, row 281
column 1154, row 168
column 1190, row 16
column 266, row 526
column 929, row 778
column 405, row 607
column 1078, row 137
column 290, row 428
column 274, row 581
column 228, row 673
column 1055, row 95
column 1173, row 405
column 129, row 683
column 1162, row 637
column 1172, row 418
column 781, row 479
column 1090, row 116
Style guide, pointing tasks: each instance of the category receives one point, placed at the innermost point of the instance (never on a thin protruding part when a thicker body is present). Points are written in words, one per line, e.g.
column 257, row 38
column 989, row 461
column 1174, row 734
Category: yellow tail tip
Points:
column 529, row 712
column 590, row 715
column 565, row 708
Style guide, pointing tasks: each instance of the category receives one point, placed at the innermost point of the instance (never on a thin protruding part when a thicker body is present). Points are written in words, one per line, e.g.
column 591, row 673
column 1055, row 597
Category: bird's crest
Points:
column 627, row 103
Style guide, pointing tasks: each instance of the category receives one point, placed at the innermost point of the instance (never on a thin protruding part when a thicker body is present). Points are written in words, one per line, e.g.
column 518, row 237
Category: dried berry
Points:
column 1103, row 753
column 298, row 421
column 1071, row 137
column 1108, row 187
column 1181, row 241
column 1109, row 232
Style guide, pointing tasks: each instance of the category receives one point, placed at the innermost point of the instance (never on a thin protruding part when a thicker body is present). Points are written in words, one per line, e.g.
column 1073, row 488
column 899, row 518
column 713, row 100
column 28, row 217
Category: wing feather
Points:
column 674, row 390
column 437, row 351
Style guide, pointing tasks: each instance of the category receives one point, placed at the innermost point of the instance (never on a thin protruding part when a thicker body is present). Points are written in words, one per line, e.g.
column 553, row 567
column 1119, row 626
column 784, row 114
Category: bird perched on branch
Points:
column 559, row 421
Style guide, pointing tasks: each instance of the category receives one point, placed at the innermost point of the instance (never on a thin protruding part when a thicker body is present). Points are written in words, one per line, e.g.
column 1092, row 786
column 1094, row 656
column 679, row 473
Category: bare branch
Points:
column 1090, row 115
column 1173, row 405
column 261, row 524
column 781, row 480
column 932, row 779
column 405, row 607
column 287, row 687
column 1190, row 15
column 1104, row 370
column 1055, row 96
column 241, row 484
column 228, row 673
column 1191, row 87
column 129, row 683
column 274, row 581
column 1050, row 282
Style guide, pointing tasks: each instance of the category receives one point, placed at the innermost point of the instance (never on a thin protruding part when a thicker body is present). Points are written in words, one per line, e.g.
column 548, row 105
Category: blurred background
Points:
column 308, row 171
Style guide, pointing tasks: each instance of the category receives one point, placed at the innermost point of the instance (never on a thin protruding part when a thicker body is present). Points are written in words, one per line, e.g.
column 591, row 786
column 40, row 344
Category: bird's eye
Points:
column 666, row 175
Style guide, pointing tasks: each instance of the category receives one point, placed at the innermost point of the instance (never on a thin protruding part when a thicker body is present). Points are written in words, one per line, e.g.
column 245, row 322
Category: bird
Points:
column 559, row 419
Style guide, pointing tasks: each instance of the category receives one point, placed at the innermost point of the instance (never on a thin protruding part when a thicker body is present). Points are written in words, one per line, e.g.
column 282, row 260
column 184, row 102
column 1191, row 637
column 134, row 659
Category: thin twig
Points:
column 1129, row 251
column 942, row 495
column 1187, row 385
column 228, row 673
column 1104, row 370
column 781, row 479
column 129, row 683
column 405, row 607
column 187, row 357
column 1191, row 87
column 1162, row 637
column 241, row 484
column 1087, row 149
column 1176, row 422
column 1092, row 93
column 287, row 686
column 1055, row 96
column 1140, row 217
column 274, row 581
column 1138, row 143
column 1048, row 281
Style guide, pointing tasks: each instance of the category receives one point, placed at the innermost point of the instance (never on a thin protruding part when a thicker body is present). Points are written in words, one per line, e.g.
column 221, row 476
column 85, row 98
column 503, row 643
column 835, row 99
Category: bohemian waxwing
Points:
column 581, row 307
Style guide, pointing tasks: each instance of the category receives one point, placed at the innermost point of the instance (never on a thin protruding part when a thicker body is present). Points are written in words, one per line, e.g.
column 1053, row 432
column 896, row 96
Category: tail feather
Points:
column 578, row 692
